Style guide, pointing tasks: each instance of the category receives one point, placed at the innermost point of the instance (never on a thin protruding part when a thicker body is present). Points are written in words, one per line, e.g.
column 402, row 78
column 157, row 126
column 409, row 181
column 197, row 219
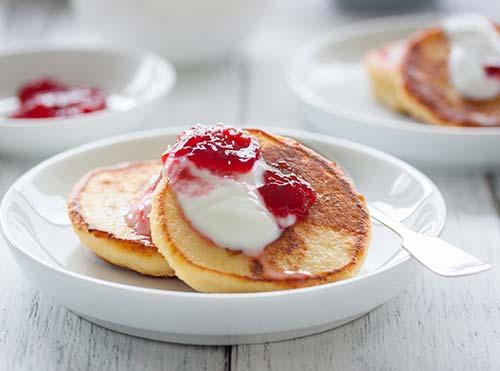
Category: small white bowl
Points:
column 135, row 82
column 185, row 32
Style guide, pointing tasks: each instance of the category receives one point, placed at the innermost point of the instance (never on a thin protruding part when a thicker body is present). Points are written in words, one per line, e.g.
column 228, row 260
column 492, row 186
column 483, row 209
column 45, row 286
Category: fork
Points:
column 435, row 254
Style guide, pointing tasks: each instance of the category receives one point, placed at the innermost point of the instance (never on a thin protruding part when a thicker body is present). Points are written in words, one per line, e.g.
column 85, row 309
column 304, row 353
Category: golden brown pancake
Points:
column 97, row 206
column 382, row 65
column 330, row 243
column 419, row 84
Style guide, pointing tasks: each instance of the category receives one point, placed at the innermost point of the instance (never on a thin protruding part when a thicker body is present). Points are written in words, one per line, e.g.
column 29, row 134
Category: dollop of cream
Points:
column 475, row 43
column 229, row 210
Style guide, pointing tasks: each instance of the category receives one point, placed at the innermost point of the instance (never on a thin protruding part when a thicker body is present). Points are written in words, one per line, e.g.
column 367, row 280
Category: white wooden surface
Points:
column 436, row 324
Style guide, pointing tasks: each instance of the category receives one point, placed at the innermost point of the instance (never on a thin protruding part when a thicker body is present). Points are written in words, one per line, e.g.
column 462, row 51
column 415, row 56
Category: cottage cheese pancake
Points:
column 321, row 225
column 97, row 208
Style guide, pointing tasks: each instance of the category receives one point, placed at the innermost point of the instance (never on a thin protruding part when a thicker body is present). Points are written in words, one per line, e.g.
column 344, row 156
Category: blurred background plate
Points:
column 185, row 32
column 333, row 90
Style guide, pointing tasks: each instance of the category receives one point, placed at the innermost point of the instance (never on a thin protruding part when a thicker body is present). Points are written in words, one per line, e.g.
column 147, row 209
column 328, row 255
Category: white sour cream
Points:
column 228, row 211
column 475, row 43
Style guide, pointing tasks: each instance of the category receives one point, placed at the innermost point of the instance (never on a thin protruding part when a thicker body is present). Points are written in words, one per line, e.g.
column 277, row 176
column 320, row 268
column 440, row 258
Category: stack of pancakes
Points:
column 329, row 244
column 412, row 77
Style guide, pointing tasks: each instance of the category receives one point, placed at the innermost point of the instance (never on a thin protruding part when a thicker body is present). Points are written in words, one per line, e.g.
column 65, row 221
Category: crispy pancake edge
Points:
column 143, row 249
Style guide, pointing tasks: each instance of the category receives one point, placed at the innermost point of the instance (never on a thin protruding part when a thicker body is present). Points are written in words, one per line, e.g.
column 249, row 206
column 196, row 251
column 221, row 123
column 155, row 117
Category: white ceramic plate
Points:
column 34, row 223
column 135, row 82
column 185, row 32
column 333, row 89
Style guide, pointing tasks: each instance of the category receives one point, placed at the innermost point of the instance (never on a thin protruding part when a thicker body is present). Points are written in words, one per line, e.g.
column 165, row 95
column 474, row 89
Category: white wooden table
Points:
column 436, row 324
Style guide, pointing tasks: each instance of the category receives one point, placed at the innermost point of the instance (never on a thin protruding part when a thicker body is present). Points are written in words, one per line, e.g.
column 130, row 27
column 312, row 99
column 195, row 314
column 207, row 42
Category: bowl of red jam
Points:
column 55, row 99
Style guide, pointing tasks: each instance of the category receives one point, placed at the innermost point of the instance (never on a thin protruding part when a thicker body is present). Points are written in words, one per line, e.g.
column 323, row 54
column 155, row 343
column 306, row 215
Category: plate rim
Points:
column 344, row 33
column 199, row 295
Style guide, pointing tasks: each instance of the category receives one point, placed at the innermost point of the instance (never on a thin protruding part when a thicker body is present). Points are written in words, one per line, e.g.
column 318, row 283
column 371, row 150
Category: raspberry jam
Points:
column 226, row 151
column 46, row 97
column 286, row 194
column 227, row 191
column 492, row 71
column 222, row 150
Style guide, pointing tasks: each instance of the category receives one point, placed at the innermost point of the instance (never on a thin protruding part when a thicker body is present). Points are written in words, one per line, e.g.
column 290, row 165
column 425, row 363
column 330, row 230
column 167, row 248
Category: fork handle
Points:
column 435, row 254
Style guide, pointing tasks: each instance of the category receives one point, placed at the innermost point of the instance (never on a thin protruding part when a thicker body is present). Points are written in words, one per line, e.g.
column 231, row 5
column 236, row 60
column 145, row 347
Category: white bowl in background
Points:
column 334, row 94
column 33, row 219
column 184, row 31
column 135, row 82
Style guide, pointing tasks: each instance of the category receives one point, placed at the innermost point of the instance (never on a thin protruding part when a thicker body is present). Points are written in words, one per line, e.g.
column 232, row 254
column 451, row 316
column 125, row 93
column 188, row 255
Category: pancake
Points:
column 330, row 243
column 382, row 65
column 416, row 81
column 96, row 209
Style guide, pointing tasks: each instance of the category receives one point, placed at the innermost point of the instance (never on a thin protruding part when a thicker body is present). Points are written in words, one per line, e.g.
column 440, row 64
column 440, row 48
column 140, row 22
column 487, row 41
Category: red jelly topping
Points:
column 492, row 71
column 45, row 97
column 225, row 152
column 221, row 150
column 286, row 194
column 37, row 86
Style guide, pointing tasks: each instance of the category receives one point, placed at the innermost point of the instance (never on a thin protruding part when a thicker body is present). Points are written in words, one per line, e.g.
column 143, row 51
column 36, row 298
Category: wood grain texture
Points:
column 35, row 332
column 38, row 334
column 437, row 323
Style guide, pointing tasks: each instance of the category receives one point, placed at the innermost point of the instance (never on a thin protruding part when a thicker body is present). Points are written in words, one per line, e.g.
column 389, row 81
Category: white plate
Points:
column 34, row 223
column 135, row 82
column 333, row 89
column 185, row 32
